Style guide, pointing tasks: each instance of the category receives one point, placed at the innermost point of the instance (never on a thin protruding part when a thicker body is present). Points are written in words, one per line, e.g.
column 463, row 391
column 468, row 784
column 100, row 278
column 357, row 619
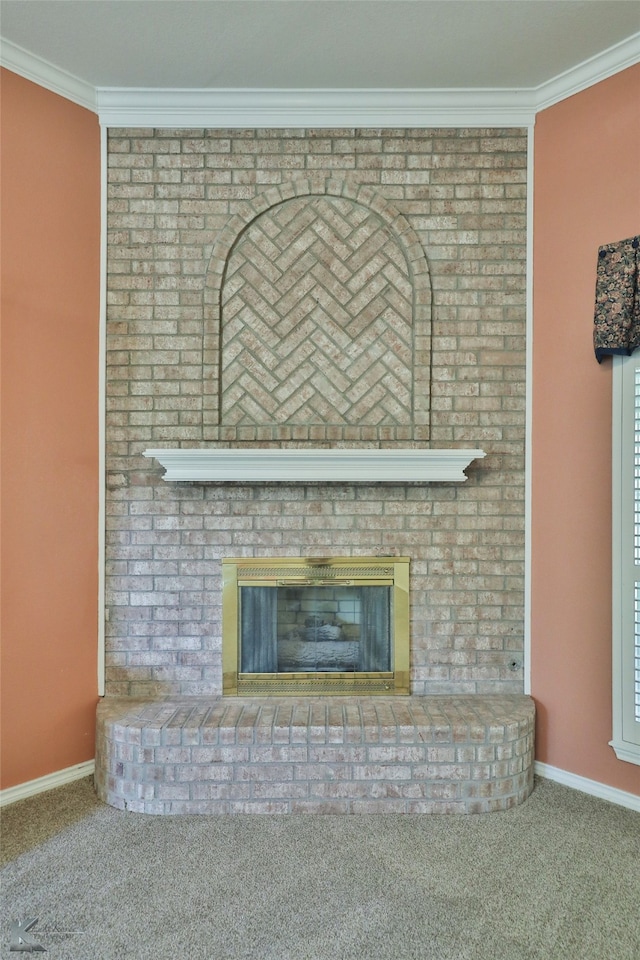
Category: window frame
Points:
column 626, row 570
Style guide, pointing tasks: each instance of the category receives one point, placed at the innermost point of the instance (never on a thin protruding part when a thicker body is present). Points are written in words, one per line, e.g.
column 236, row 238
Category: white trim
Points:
column 458, row 107
column 617, row 592
column 49, row 782
column 231, row 108
column 626, row 751
column 102, row 415
column 617, row 58
column 593, row 787
column 336, row 464
column 528, row 465
column 246, row 108
column 625, row 568
column 46, row 75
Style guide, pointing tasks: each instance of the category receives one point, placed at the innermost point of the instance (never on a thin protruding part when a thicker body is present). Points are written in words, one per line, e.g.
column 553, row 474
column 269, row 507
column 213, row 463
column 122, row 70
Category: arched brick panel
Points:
column 317, row 320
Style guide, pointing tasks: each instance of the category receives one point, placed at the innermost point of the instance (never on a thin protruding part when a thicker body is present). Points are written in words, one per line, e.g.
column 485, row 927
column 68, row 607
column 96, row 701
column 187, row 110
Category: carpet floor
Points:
column 557, row 878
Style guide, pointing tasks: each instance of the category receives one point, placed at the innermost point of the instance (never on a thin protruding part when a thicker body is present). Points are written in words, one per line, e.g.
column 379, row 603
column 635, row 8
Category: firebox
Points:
column 319, row 625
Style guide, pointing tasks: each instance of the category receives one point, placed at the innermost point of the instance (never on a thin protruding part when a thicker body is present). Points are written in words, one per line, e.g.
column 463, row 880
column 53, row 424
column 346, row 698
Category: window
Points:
column 626, row 558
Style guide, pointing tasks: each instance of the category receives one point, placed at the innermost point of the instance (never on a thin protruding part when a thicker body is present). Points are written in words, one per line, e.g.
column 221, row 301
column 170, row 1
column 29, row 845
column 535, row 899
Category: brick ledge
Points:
column 433, row 754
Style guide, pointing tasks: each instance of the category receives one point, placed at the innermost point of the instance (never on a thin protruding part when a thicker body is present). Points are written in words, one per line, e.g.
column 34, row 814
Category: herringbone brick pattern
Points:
column 317, row 319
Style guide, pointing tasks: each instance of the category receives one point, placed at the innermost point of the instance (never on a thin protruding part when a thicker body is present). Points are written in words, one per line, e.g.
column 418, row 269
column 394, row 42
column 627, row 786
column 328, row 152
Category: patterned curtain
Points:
column 617, row 312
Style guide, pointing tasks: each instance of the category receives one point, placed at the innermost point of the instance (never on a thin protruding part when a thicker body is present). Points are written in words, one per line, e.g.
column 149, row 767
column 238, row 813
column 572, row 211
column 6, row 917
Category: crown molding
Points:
column 233, row 108
column 46, row 75
column 246, row 108
column 586, row 74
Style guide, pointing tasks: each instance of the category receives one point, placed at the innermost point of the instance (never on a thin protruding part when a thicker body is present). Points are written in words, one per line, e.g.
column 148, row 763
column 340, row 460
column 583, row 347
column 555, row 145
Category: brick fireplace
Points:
column 315, row 288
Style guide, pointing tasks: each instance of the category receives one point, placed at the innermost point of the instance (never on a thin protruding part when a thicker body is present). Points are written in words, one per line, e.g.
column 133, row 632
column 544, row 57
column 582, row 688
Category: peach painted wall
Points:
column 586, row 193
column 50, row 322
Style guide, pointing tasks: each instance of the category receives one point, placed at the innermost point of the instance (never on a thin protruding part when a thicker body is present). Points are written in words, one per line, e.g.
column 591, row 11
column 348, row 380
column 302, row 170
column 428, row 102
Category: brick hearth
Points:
column 441, row 754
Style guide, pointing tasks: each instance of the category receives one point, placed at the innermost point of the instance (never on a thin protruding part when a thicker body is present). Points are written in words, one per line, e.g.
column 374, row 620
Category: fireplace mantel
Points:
column 338, row 464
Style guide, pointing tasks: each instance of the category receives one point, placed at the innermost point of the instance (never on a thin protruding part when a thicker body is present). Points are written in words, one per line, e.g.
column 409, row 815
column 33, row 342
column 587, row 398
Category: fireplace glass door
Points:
column 334, row 625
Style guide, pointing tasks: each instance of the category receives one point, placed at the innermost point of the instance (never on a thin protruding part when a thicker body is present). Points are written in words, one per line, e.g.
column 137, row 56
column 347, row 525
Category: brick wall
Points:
column 453, row 203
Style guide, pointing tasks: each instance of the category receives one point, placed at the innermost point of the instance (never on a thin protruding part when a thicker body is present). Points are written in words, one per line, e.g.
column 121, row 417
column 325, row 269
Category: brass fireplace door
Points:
column 335, row 625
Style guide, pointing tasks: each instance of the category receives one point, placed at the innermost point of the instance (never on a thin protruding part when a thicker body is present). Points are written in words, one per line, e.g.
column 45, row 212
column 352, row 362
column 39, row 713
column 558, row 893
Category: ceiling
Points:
column 326, row 44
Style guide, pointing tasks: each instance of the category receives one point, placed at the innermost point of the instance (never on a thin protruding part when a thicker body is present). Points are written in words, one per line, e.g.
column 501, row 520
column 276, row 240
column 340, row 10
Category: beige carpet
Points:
column 555, row 879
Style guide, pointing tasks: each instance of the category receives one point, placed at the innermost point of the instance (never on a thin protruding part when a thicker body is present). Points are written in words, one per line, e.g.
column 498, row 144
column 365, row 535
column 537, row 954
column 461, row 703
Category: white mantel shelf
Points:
column 265, row 465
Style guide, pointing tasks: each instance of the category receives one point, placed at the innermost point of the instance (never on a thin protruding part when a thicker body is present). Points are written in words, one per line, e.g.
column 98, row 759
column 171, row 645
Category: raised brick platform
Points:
column 440, row 754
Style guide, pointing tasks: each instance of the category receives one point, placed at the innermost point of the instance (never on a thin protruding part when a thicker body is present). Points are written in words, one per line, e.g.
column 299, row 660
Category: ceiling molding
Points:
column 227, row 108
column 47, row 75
column 232, row 108
column 603, row 65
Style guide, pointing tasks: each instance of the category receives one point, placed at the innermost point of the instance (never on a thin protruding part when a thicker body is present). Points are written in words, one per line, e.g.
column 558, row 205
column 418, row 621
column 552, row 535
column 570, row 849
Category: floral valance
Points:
column 617, row 312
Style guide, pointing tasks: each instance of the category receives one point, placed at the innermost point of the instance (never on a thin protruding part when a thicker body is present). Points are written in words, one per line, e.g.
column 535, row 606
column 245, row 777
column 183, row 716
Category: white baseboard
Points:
column 49, row 782
column 592, row 787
